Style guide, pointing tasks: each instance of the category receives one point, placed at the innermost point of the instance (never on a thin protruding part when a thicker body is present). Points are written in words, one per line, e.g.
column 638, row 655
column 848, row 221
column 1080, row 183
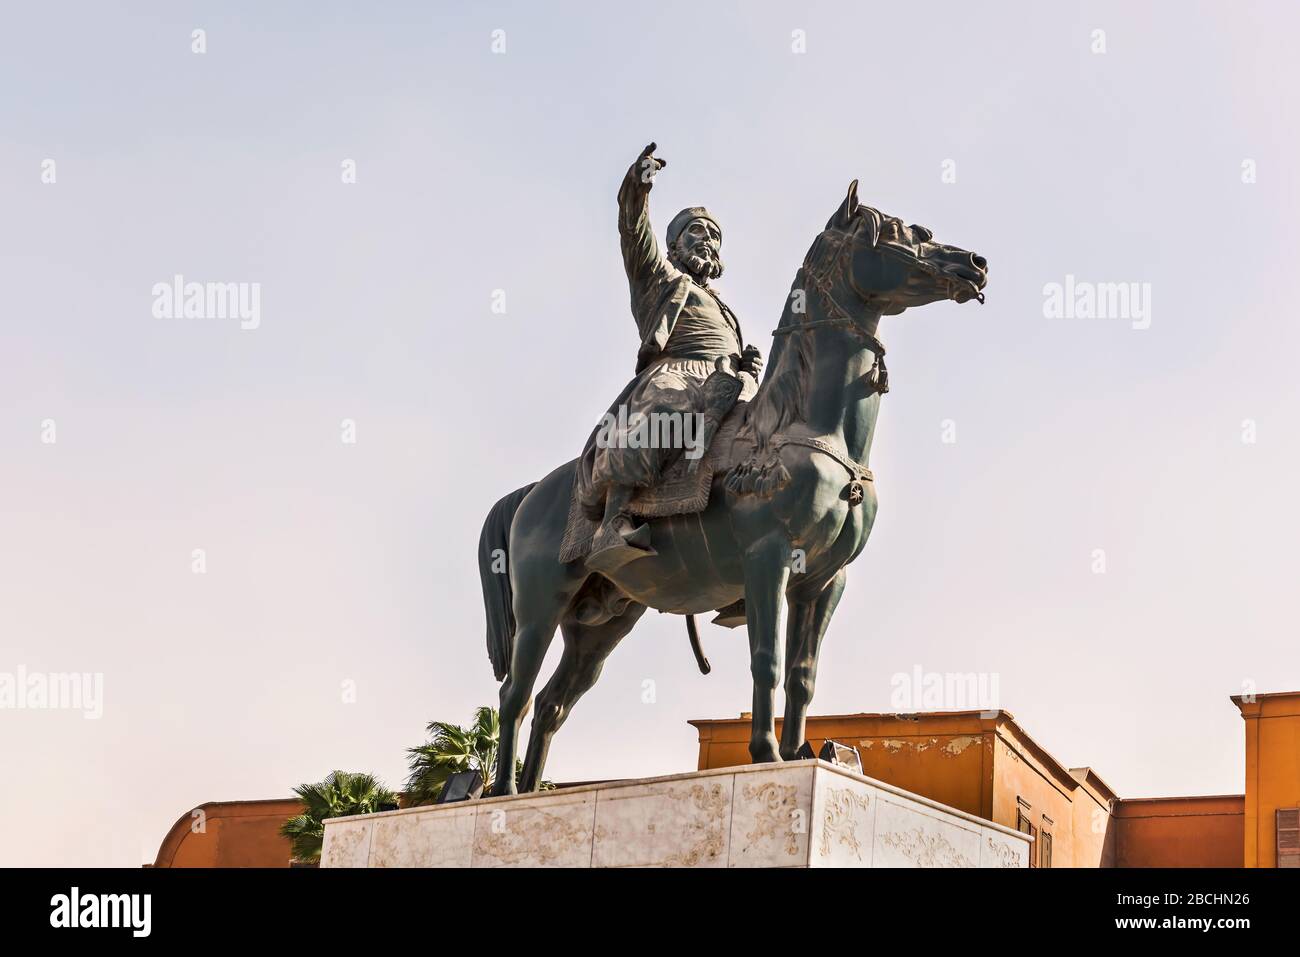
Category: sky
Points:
column 1099, row 513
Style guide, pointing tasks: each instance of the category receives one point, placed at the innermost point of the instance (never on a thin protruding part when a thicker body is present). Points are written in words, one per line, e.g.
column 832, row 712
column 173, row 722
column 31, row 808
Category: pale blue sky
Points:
column 329, row 562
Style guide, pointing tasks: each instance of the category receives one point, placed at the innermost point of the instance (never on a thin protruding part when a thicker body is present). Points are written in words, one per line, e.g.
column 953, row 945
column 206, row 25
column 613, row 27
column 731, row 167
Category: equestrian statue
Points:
column 702, row 489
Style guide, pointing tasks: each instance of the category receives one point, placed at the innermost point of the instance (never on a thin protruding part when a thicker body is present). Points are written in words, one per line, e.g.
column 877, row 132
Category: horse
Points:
column 780, row 527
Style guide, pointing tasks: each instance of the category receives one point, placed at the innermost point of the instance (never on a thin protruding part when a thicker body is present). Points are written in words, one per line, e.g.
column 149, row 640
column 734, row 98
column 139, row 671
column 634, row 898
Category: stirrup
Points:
column 732, row 616
column 610, row 551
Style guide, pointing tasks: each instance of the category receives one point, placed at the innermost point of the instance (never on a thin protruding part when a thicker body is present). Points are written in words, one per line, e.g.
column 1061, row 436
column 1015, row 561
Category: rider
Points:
column 685, row 329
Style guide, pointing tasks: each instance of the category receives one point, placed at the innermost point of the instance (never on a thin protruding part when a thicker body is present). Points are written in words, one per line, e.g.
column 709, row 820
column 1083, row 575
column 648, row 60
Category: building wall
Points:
column 233, row 834
column 1095, row 835
column 1029, row 787
column 1180, row 832
column 1272, row 770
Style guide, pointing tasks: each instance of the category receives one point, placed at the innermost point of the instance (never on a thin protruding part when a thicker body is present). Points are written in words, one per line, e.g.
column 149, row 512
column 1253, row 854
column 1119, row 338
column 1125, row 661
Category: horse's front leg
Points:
column 767, row 569
column 805, row 627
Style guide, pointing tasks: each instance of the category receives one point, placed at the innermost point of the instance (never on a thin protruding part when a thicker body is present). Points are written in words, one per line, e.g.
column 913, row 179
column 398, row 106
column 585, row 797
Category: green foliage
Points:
column 454, row 749
column 339, row 795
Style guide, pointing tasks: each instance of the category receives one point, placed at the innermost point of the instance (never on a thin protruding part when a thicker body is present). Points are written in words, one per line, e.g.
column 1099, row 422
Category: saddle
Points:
column 683, row 489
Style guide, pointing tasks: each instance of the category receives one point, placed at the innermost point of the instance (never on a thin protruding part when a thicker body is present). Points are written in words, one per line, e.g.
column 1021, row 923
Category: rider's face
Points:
column 701, row 238
column 698, row 249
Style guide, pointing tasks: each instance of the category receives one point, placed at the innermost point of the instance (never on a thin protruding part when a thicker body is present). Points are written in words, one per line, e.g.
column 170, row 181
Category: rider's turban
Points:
column 682, row 219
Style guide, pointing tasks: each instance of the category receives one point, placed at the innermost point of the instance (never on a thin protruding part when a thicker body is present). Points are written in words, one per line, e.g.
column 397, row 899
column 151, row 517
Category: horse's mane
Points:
column 780, row 398
column 780, row 401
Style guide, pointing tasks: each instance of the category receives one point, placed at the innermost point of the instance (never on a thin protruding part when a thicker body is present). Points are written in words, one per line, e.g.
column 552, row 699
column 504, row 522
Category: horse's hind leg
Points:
column 531, row 641
column 585, row 649
column 543, row 590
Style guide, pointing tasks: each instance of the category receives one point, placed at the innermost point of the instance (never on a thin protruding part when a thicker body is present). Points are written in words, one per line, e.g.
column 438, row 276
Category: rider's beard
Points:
column 703, row 267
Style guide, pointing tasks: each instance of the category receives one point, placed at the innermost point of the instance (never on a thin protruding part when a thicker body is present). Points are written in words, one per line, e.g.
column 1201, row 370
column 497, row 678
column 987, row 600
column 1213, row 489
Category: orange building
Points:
column 1180, row 831
column 1272, row 803
column 230, row 834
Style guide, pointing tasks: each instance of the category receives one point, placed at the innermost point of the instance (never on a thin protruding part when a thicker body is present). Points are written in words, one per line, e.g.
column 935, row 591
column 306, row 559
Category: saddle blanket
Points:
column 677, row 493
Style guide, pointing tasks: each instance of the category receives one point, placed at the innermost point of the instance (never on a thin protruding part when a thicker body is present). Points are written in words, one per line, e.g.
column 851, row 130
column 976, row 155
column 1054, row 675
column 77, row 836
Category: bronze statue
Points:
column 771, row 508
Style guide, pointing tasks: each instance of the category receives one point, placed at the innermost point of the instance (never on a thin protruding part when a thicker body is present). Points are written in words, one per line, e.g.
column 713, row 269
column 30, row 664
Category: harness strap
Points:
column 857, row 470
column 839, row 317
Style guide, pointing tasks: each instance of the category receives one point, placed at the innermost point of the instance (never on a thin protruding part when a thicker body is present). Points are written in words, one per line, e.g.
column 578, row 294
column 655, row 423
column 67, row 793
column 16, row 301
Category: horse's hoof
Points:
column 764, row 751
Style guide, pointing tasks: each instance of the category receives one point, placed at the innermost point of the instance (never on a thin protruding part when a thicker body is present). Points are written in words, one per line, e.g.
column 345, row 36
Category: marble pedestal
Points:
column 791, row 814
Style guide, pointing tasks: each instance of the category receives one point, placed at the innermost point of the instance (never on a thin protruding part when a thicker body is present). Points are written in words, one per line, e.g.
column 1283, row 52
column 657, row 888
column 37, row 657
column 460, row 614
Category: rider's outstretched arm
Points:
column 641, row 256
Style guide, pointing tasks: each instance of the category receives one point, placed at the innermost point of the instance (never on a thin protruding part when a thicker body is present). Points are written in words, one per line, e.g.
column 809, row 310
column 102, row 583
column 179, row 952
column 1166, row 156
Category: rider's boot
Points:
column 619, row 539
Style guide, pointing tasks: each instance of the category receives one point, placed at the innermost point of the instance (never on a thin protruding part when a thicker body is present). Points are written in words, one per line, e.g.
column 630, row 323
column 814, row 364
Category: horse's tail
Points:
column 494, row 573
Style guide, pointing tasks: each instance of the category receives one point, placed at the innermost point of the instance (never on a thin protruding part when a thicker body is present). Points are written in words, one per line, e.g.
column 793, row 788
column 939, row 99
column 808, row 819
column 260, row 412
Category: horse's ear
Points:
column 871, row 223
column 844, row 215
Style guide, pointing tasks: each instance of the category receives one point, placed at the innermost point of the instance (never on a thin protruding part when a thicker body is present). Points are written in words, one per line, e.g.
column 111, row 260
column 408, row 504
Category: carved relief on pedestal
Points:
column 839, row 824
column 533, row 837
column 926, row 848
column 1004, row 855
column 711, row 803
column 777, row 802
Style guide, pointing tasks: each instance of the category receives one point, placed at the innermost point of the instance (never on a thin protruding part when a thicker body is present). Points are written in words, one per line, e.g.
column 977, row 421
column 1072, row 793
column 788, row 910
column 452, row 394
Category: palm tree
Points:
column 340, row 794
column 454, row 749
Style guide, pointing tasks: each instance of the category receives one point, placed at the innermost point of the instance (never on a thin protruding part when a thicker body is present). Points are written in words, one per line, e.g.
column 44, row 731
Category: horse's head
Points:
column 892, row 266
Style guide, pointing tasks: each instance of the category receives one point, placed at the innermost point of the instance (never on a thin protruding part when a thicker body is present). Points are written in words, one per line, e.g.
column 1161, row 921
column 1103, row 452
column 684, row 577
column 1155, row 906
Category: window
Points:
column 1025, row 826
column 1045, row 849
column 1288, row 837
column 1022, row 815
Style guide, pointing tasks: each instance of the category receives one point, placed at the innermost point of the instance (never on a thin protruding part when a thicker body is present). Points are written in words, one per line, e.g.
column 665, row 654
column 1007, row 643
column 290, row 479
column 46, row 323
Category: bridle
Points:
column 820, row 277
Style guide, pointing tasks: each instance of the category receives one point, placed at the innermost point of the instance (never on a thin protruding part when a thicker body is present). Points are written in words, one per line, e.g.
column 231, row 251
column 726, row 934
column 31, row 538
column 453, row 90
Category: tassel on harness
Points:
column 693, row 633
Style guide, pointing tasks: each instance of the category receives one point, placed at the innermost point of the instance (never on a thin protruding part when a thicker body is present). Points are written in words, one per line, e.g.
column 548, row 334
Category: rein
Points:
column 820, row 280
